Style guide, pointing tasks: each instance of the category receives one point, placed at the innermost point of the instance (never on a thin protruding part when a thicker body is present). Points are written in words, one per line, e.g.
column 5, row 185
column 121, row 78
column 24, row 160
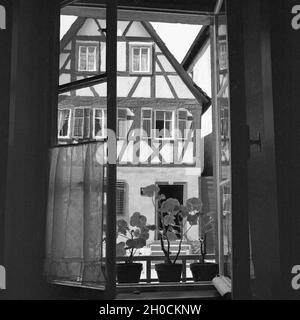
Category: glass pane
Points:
column 82, row 60
column 136, row 59
column 91, row 59
column 147, row 128
column 147, row 114
column 222, row 113
column 144, row 59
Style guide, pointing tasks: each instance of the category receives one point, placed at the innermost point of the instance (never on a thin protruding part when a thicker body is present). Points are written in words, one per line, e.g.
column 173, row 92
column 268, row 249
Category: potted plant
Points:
column 203, row 270
column 135, row 238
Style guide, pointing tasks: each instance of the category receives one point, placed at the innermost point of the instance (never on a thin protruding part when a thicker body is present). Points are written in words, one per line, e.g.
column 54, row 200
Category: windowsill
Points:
column 78, row 284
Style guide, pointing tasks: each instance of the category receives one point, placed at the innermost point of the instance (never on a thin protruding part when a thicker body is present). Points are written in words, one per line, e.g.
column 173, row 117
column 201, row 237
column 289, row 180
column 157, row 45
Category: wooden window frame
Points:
column 142, row 123
column 103, row 122
column 73, row 125
column 173, row 125
column 69, row 124
column 87, row 44
column 140, row 46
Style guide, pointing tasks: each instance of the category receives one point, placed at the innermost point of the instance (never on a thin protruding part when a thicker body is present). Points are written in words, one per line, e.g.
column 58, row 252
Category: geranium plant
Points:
column 205, row 221
column 174, row 220
column 135, row 235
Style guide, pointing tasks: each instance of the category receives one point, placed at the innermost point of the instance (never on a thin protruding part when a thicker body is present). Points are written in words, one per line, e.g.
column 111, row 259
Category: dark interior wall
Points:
column 34, row 74
column 286, row 92
column 5, row 52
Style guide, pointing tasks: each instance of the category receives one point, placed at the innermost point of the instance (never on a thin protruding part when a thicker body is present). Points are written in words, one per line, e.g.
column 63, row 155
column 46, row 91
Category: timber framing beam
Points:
column 83, row 83
column 196, row 49
column 126, row 14
column 199, row 94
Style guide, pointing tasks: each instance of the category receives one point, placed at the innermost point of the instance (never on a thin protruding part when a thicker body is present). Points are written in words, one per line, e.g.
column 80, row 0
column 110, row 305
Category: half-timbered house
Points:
column 159, row 111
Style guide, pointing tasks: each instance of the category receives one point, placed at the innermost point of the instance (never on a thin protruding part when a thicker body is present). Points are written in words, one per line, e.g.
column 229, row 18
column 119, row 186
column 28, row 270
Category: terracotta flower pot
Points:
column 129, row 272
column 204, row 271
column 168, row 272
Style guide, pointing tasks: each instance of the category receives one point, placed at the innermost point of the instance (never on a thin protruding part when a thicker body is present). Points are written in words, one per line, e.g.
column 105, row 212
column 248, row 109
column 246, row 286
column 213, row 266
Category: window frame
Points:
column 172, row 121
column 73, row 125
column 187, row 130
column 104, row 131
column 151, row 123
column 140, row 46
column 87, row 44
column 68, row 136
column 118, row 127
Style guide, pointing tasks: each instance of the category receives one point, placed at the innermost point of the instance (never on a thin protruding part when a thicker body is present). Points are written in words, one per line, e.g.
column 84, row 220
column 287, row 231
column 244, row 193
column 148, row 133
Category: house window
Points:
column 99, row 121
column 146, row 122
column 122, row 123
column 164, row 124
column 81, row 124
column 88, row 57
column 140, row 58
column 64, row 117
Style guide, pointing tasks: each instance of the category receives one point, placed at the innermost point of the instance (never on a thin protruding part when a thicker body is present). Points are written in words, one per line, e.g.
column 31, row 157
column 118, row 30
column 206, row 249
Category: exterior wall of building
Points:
column 139, row 177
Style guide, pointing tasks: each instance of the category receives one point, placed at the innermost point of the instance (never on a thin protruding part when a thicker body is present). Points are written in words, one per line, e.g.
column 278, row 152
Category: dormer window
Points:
column 87, row 56
column 140, row 56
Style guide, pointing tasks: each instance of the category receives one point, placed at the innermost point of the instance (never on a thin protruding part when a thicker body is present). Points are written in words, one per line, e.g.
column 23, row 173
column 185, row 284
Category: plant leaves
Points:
column 171, row 236
column 122, row 226
column 120, row 249
column 170, row 206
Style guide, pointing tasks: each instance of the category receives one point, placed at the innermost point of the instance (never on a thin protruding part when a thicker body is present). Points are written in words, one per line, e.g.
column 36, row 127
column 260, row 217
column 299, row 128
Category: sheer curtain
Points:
column 75, row 214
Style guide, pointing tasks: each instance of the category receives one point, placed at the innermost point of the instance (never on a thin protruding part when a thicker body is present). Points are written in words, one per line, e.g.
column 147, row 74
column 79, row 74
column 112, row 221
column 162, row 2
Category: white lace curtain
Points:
column 75, row 214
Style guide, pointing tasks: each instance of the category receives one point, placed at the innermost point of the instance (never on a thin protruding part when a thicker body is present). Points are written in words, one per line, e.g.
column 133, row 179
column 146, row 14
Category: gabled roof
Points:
column 197, row 92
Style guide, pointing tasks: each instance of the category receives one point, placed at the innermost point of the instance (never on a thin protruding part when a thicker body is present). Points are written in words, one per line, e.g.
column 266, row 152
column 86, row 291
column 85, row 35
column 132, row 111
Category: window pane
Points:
column 98, row 127
column 63, row 123
column 79, row 112
column 136, row 59
column 86, row 123
column 122, row 125
column 159, row 115
column 91, row 59
column 78, row 126
column 145, row 58
column 182, row 128
column 168, row 115
column 82, row 58
column 182, row 115
column 146, row 128
column 147, row 114
column 168, row 129
column 122, row 113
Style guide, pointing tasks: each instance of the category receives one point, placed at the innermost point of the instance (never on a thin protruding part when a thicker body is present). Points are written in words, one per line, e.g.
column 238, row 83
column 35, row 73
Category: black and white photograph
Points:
column 150, row 152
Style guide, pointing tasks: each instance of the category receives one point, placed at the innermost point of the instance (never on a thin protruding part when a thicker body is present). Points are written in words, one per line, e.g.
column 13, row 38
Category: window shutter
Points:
column 121, row 192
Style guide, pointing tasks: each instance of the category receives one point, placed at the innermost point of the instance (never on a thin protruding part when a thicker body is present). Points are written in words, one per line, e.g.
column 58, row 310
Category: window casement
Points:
column 82, row 123
column 87, row 56
column 99, row 123
column 184, row 120
column 140, row 58
column 146, row 123
column 120, row 196
column 164, row 124
column 122, row 123
column 64, row 119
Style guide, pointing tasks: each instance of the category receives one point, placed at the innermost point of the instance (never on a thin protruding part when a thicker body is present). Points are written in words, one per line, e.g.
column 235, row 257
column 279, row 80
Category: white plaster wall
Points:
column 138, row 177
column 64, row 78
column 162, row 89
column 181, row 89
column 165, row 63
column 89, row 28
column 137, row 30
column 144, row 88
